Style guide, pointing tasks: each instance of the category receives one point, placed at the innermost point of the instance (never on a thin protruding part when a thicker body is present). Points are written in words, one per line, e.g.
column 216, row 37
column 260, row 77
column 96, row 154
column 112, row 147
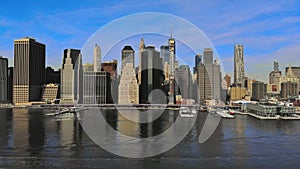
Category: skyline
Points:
column 266, row 29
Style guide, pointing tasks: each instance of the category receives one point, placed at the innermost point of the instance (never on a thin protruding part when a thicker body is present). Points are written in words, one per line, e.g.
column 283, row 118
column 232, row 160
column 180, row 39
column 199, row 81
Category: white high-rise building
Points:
column 239, row 68
column 97, row 59
column 128, row 87
column 71, row 75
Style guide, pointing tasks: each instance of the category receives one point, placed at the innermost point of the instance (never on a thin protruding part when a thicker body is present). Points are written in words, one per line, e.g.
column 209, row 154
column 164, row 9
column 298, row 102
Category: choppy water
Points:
column 31, row 138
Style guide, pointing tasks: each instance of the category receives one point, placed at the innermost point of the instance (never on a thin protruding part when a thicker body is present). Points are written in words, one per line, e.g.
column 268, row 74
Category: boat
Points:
column 185, row 112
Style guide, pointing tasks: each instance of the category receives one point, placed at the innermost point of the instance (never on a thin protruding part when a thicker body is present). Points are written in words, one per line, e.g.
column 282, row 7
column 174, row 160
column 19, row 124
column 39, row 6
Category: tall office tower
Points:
column 198, row 61
column 127, row 56
column 183, row 80
column 259, row 90
column 289, row 89
column 165, row 54
column 52, row 76
column 172, row 54
column 97, row 59
column 96, row 87
column 70, row 76
column 128, row 87
column 10, row 84
column 239, row 70
column 3, row 79
column 296, row 71
column 29, row 70
column 111, row 67
column 228, row 80
column 275, row 74
column 141, row 49
column 248, row 85
column 152, row 76
column 209, row 78
column 208, row 56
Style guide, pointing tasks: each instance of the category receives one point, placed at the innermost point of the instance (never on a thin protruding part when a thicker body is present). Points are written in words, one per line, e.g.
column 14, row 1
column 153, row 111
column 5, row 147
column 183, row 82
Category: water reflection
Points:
column 243, row 141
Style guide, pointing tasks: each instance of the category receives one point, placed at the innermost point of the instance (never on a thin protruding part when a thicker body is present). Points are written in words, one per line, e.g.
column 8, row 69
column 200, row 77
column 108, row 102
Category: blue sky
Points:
column 269, row 30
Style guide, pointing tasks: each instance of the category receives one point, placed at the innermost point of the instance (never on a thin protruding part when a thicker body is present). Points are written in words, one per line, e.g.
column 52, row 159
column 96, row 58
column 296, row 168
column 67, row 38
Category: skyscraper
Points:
column 127, row 56
column 289, row 89
column 239, row 70
column 3, row 79
column 209, row 78
column 128, row 87
column 172, row 54
column 152, row 75
column 96, row 87
column 29, row 70
column 10, row 80
column 208, row 56
column 183, row 80
column 71, row 73
column 276, row 73
column 198, row 61
column 97, row 59
column 141, row 49
column 259, row 90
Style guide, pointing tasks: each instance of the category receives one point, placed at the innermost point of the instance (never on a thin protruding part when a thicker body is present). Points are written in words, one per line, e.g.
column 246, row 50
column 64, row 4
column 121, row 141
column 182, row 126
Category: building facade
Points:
column 275, row 74
column 96, row 88
column 127, row 56
column 71, row 76
column 3, row 80
column 259, row 90
column 289, row 89
column 239, row 68
column 237, row 93
column 50, row 93
column 29, row 70
column 183, row 79
column 152, row 75
column 209, row 78
column 97, row 58
column 128, row 87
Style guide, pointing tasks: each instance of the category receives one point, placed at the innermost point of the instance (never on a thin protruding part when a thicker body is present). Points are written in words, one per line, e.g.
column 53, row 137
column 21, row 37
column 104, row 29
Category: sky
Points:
column 269, row 30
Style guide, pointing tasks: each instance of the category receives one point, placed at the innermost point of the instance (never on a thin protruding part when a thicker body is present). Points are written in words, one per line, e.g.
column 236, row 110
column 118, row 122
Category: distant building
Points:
column 275, row 74
column 165, row 54
column 208, row 56
column 97, row 58
column 71, row 77
column 172, row 55
column 152, row 75
column 248, row 86
column 3, row 80
column 128, row 87
column 141, row 49
column 198, row 61
column 239, row 68
column 290, row 76
column 52, row 76
column 96, row 88
column 183, row 81
column 127, row 56
column 289, row 89
column 228, row 80
column 50, row 93
column 29, row 70
column 110, row 67
column 209, row 78
column 237, row 93
column 296, row 70
column 10, row 85
column 259, row 90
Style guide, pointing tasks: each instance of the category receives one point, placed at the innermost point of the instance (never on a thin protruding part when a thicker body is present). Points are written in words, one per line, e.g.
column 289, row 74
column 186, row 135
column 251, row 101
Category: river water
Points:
column 31, row 138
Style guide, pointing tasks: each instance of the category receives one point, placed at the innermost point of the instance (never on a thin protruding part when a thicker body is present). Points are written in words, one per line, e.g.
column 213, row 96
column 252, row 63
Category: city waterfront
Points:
column 33, row 138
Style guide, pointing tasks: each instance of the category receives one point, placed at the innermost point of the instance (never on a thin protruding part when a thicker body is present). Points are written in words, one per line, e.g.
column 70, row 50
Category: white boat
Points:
column 185, row 112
